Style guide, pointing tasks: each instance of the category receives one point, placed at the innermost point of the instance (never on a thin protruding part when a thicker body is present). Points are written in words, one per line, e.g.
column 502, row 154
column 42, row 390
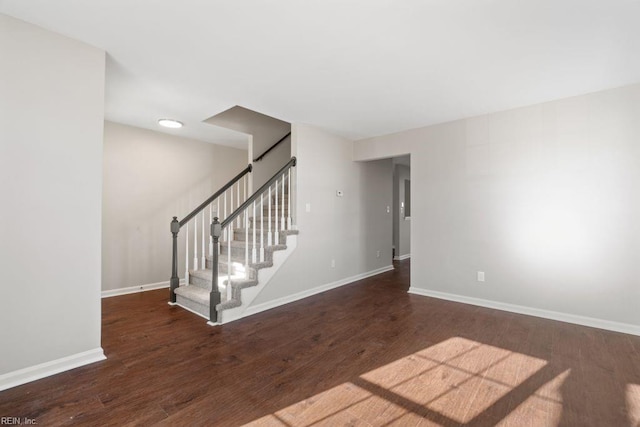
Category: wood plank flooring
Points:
column 364, row 354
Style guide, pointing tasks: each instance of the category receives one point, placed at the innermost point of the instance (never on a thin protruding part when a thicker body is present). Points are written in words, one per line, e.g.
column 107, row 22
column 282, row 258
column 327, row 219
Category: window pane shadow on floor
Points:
column 460, row 382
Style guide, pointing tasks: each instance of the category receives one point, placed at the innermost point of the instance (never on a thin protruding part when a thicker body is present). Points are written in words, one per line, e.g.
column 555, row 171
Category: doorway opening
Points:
column 401, row 207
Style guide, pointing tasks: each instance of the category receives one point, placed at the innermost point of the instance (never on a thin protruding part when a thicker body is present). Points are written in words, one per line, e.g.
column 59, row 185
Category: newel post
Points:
column 214, row 296
column 175, row 280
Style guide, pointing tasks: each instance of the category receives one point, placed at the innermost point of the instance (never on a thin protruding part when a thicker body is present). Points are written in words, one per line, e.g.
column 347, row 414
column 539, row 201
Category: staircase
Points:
column 194, row 296
column 250, row 245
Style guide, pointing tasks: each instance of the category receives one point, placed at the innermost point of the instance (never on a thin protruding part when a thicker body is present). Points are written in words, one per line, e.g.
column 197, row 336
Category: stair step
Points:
column 239, row 247
column 264, row 223
column 235, row 244
column 240, row 235
column 197, row 298
column 203, row 278
column 257, row 224
column 265, row 210
column 238, row 254
column 195, row 295
column 237, row 264
column 265, row 216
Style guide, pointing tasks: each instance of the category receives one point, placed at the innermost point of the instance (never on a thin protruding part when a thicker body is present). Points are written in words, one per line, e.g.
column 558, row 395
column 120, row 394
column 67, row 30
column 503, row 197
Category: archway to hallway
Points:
column 401, row 208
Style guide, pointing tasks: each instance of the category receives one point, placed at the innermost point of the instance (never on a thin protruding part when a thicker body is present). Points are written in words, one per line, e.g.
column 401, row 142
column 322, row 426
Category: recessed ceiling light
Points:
column 170, row 123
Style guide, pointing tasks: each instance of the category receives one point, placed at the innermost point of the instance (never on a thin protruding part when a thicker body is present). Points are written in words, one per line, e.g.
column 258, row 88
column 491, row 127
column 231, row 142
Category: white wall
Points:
column 272, row 162
column 349, row 229
column 149, row 177
column 51, row 120
column 264, row 132
column 544, row 199
column 401, row 225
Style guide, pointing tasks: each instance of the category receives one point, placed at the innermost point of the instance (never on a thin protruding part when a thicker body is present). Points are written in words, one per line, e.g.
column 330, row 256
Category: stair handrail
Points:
column 215, row 195
column 215, row 296
column 233, row 215
column 257, row 159
column 176, row 225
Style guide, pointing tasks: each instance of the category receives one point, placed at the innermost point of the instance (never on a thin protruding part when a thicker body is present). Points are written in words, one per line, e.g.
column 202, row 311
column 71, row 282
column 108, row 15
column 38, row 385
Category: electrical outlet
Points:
column 333, row 263
column 378, row 254
column 388, row 209
column 480, row 276
column 307, row 207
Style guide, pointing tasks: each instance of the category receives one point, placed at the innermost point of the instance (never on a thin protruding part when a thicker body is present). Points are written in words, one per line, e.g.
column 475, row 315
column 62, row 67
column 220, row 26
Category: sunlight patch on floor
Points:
column 633, row 404
column 544, row 407
column 331, row 407
column 447, row 377
column 454, row 381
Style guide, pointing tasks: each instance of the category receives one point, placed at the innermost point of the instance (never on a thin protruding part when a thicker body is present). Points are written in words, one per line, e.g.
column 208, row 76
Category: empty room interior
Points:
column 286, row 213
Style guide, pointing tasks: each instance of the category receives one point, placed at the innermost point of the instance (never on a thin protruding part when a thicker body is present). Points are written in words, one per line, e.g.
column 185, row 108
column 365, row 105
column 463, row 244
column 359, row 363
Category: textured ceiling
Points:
column 357, row 68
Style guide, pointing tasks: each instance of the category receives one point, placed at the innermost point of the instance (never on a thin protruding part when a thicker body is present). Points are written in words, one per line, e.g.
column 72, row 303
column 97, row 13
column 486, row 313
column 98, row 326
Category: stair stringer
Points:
column 264, row 277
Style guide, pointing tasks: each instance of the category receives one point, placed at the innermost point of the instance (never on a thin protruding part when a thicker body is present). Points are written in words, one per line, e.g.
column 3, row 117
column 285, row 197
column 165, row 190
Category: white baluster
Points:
column 186, row 260
column 253, row 249
column 269, row 235
column 289, row 201
column 244, row 199
column 218, row 211
column 229, row 268
column 282, row 223
column 226, row 237
column 210, row 221
column 203, row 259
column 246, row 243
column 238, row 199
column 230, row 232
column 195, row 243
column 261, row 227
column 276, row 236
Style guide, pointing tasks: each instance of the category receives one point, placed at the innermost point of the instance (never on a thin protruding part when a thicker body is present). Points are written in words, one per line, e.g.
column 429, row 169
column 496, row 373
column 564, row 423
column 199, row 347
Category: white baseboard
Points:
column 32, row 373
column 401, row 257
column 609, row 325
column 135, row 289
column 309, row 292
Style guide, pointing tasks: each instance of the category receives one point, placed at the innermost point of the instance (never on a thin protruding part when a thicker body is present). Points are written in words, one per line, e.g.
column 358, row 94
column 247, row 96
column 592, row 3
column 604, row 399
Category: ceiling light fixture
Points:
column 170, row 123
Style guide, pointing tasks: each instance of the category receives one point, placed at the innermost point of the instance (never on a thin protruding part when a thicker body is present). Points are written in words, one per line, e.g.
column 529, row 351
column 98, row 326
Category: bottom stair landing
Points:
column 239, row 286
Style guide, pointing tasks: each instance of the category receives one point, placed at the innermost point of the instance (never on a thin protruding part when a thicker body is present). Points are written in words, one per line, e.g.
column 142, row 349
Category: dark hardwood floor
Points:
column 364, row 354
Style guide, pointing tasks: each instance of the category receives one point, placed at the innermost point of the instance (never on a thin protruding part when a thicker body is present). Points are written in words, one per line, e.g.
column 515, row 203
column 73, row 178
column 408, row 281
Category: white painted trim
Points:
column 43, row 370
column 402, row 257
column 135, row 289
column 264, row 276
column 310, row 292
column 609, row 325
